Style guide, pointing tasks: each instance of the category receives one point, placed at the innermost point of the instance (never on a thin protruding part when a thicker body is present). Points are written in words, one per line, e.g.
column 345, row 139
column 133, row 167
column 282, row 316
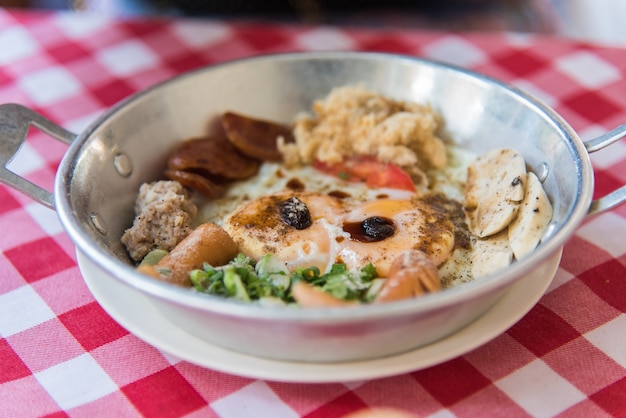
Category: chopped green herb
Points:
column 268, row 281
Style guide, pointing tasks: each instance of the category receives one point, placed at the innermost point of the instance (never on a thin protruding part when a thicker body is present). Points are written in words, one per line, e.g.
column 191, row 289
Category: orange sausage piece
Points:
column 411, row 275
column 208, row 243
column 309, row 297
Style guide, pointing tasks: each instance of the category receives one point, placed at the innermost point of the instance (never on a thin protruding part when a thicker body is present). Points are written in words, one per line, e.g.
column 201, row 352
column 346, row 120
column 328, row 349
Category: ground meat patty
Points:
column 163, row 216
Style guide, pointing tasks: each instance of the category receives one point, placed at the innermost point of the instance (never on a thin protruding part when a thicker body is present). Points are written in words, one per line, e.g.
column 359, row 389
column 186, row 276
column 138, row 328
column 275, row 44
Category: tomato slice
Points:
column 369, row 170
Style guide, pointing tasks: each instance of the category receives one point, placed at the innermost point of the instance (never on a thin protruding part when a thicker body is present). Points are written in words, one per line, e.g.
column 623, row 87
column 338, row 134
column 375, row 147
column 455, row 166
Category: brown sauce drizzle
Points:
column 295, row 184
column 374, row 229
column 339, row 194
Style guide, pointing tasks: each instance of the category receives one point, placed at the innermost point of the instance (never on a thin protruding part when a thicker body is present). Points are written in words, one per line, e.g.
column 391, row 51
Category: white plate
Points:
column 138, row 315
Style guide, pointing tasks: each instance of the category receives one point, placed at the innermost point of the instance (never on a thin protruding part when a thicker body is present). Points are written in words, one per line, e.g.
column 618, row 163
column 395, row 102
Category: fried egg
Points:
column 250, row 213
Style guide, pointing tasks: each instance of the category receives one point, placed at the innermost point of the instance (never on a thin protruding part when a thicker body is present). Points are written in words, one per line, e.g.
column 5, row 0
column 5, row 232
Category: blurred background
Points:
column 600, row 21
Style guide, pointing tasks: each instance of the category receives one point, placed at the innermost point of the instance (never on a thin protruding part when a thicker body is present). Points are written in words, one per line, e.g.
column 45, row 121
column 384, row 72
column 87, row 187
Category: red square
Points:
column 521, row 63
column 112, row 92
column 7, row 201
column 38, row 259
column 592, row 106
column 186, row 62
column 67, row 51
column 11, row 367
column 5, row 79
column 542, row 331
column 59, row 414
column 142, row 28
column 164, row 394
column 342, row 405
column 92, row 326
column 605, row 183
column 387, row 44
column 607, row 281
column 611, row 398
column 260, row 37
column 452, row 381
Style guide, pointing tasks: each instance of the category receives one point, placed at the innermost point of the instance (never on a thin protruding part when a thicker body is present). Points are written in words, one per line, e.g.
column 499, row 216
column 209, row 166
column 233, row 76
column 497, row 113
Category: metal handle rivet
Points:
column 98, row 223
column 122, row 165
column 543, row 171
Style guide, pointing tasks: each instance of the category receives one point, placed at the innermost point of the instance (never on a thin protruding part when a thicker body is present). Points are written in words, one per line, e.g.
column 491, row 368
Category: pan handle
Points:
column 14, row 123
column 616, row 197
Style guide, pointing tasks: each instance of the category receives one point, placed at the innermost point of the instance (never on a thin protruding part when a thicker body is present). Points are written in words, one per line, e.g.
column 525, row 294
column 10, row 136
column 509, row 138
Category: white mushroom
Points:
column 533, row 217
column 494, row 190
column 491, row 254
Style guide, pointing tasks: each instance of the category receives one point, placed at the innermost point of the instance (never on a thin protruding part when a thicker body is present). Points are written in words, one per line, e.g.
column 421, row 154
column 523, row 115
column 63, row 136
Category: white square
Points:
column 324, row 39
column 455, row 50
column 26, row 161
column 588, row 69
column 46, row 218
column 76, row 382
column 81, row 124
column 201, row 33
column 252, row 401
column 601, row 231
column 50, row 85
column 128, row 57
column 16, row 43
column 353, row 385
column 560, row 278
column 80, row 27
column 520, row 39
column 536, row 92
column 21, row 309
column 540, row 390
column 443, row 413
column 610, row 339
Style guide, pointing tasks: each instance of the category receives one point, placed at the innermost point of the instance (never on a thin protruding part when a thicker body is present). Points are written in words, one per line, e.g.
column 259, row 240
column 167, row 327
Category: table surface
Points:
column 61, row 354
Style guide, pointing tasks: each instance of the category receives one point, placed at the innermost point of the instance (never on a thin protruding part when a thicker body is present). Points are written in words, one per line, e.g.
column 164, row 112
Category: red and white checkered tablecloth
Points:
column 61, row 354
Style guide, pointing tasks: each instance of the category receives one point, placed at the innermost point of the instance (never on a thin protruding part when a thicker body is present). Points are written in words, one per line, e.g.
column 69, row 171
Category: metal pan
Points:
column 100, row 174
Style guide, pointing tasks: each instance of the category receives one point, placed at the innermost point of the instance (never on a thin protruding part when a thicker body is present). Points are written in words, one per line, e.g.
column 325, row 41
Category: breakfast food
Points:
column 360, row 201
column 164, row 213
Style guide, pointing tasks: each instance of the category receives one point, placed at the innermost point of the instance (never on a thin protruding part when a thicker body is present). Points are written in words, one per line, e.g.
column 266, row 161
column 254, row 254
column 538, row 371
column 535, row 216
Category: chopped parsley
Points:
column 269, row 281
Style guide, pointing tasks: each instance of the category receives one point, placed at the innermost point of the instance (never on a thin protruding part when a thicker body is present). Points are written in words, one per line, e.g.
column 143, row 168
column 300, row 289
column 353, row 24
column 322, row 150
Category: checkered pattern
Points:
column 62, row 355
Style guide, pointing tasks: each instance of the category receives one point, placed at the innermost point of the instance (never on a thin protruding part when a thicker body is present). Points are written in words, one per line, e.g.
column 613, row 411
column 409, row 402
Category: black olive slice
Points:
column 294, row 212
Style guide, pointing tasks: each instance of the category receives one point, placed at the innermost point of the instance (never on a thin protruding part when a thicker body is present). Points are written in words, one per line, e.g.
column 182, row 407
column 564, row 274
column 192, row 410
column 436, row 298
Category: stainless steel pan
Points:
column 99, row 176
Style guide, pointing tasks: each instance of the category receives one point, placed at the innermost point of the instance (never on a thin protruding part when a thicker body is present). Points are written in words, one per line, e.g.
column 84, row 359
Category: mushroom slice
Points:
column 491, row 254
column 494, row 190
column 533, row 217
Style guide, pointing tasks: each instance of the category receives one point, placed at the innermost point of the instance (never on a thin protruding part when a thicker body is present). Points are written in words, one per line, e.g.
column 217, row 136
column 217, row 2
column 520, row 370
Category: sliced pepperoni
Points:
column 212, row 155
column 255, row 138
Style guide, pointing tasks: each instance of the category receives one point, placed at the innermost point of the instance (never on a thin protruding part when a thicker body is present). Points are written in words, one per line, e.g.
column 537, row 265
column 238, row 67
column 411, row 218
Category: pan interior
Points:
column 139, row 133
